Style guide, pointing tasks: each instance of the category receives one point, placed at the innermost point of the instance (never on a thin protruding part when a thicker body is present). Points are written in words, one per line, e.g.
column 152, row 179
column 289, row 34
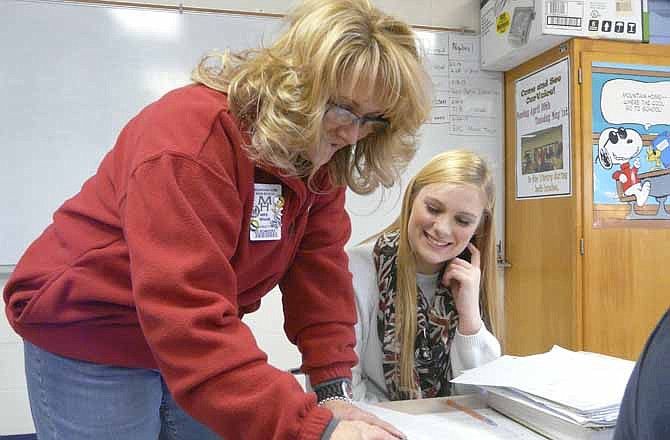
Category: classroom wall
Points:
column 14, row 408
column 267, row 324
column 441, row 13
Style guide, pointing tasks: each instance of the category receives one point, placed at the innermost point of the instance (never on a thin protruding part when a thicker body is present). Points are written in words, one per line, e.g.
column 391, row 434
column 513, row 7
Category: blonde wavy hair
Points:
column 458, row 167
column 330, row 46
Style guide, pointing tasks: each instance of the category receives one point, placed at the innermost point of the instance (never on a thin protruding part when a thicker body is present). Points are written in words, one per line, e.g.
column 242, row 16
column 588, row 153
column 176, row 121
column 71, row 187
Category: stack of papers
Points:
column 582, row 388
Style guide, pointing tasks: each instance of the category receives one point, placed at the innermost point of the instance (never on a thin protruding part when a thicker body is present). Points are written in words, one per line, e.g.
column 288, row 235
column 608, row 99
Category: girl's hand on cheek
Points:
column 463, row 279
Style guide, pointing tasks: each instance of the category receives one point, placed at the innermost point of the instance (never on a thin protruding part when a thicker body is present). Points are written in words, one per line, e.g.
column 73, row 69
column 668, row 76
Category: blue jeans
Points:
column 78, row 400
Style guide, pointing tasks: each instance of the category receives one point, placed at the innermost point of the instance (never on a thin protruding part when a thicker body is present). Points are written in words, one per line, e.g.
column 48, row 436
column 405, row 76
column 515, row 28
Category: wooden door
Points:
column 542, row 245
column 625, row 272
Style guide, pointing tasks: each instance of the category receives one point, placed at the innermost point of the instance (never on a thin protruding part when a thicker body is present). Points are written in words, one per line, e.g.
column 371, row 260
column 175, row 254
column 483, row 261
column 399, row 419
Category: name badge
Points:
column 265, row 222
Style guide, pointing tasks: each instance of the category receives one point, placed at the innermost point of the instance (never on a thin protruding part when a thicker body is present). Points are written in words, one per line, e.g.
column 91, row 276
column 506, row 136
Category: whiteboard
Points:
column 73, row 74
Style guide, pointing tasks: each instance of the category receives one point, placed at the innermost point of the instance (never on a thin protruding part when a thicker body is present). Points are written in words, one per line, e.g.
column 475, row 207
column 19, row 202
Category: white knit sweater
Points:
column 368, row 377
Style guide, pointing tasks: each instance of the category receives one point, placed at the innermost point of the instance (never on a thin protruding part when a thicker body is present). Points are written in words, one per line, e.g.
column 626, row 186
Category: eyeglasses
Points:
column 339, row 115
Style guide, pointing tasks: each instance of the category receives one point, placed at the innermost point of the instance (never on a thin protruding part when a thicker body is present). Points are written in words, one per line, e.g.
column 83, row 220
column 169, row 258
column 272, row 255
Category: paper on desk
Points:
column 584, row 381
column 595, row 420
column 606, row 416
column 453, row 425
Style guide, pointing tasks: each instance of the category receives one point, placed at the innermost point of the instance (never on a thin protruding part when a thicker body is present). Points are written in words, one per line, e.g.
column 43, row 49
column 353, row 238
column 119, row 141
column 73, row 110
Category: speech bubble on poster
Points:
column 625, row 101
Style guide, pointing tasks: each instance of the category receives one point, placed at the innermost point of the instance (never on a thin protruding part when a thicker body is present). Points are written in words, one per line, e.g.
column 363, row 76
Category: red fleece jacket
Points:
column 151, row 265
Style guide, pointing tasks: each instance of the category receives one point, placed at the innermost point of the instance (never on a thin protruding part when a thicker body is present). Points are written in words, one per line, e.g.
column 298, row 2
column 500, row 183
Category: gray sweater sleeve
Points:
column 361, row 266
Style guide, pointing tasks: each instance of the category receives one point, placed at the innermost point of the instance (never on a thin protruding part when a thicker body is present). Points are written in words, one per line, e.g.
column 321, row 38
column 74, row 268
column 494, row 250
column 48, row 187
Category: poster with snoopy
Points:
column 631, row 144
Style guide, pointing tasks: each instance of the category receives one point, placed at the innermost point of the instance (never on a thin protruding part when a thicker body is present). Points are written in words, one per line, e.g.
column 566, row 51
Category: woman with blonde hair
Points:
column 425, row 286
column 131, row 302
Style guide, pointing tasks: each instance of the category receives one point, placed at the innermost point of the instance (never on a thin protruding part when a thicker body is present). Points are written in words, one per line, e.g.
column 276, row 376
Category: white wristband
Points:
column 327, row 399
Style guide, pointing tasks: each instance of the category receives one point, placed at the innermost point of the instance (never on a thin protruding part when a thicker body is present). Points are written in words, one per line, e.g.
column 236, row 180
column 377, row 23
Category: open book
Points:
column 447, row 423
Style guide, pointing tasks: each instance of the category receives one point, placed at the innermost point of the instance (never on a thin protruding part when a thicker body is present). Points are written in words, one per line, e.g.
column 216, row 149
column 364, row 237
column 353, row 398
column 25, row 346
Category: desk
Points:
column 430, row 417
column 434, row 406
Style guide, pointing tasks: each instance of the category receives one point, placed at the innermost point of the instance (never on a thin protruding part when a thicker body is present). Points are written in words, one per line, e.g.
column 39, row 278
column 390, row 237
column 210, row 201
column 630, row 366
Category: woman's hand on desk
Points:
column 356, row 424
column 356, row 430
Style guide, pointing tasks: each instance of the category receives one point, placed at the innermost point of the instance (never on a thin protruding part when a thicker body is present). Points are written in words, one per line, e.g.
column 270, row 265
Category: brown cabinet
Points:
column 578, row 278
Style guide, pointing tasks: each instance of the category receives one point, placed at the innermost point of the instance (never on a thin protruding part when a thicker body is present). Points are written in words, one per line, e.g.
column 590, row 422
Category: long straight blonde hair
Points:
column 458, row 167
column 330, row 47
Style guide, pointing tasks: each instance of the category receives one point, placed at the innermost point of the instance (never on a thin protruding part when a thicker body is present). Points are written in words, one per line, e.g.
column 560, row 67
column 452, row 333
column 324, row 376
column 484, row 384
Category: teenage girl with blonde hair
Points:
column 426, row 285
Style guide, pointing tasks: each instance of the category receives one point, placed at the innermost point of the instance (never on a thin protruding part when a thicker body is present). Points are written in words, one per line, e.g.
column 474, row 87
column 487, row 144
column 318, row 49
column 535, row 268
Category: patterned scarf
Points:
column 436, row 326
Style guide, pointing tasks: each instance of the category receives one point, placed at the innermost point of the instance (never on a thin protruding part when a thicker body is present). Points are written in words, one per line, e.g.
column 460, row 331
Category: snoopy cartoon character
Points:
column 617, row 146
